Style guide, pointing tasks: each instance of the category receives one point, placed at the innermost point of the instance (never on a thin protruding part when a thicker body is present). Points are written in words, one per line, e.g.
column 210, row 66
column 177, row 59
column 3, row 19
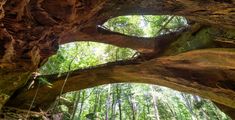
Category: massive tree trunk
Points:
column 31, row 30
column 203, row 72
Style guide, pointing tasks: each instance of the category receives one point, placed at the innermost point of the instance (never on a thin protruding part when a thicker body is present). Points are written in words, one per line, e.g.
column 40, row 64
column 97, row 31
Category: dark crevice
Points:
column 2, row 46
column 224, row 1
column 228, row 84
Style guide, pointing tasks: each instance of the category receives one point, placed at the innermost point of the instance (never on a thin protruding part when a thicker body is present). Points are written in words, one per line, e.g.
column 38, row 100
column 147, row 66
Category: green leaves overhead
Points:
column 91, row 54
column 84, row 54
column 125, row 101
column 145, row 26
column 129, row 25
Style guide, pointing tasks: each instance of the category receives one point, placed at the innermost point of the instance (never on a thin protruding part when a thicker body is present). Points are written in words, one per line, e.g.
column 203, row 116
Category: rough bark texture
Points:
column 203, row 72
column 31, row 30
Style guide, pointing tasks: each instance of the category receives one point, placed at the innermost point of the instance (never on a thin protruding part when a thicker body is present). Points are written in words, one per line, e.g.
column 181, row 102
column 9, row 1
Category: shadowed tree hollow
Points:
column 198, row 58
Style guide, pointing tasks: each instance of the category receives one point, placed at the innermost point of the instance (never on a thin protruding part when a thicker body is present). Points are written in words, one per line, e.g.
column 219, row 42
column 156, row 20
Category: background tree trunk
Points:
column 31, row 31
column 156, row 113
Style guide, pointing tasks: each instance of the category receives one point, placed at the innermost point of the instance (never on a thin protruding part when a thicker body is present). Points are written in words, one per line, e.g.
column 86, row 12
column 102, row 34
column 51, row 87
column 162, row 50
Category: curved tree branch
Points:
column 141, row 44
column 209, row 73
column 30, row 31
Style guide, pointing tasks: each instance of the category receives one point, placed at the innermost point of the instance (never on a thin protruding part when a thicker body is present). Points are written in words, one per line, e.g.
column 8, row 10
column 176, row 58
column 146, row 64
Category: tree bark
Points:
column 30, row 32
column 202, row 72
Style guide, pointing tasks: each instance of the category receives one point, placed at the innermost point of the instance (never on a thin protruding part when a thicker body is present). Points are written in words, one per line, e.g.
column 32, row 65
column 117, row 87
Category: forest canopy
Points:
column 124, row 100
column 183, row 45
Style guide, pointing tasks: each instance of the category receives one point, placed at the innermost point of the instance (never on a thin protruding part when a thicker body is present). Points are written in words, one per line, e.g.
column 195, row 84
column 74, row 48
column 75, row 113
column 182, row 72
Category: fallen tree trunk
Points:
column 30, row 32
column 209, row 73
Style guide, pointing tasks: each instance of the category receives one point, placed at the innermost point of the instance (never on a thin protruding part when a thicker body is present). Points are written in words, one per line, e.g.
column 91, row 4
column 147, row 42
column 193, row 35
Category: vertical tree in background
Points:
column 125, row 101
column 155, row 106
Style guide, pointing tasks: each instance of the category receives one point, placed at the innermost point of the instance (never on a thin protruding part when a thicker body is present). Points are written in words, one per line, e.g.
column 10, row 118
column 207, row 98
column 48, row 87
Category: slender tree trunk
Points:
column 130, row 100
column 145, row 115
column 205, row 114
column 131, row 104
column 100, row 102
column 189, row 106
column 174, row 115
column 113, row 106
column 217, row 115
column 96, row 100
column 148, row 108
column 81, row 106
column 108, row 102
column 118, row 90
column 133, row 109
column 32, row 29
column 78, row 96
column 156, row 113
column 201, row 110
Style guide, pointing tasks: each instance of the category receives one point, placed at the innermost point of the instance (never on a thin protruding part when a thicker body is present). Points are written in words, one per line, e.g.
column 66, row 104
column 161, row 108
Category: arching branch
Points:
column 34, row 33
column 141, row 44
column 209, row 73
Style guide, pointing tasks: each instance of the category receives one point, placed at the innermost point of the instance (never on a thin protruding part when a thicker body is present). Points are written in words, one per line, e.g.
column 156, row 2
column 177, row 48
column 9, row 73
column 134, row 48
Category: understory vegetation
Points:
column 124, row 101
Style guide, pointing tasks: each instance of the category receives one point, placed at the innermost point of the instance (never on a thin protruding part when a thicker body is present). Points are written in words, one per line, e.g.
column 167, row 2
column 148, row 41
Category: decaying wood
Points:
column 32, row 30
column 203, row 72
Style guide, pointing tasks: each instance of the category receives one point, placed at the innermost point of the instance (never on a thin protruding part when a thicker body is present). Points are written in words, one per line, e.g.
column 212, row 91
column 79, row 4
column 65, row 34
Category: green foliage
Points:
column 82, row 55
column 145, row 26
column 125, row 25
column 156, row 23
column 137, row 100
column 44, row 81
column 126, row 101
